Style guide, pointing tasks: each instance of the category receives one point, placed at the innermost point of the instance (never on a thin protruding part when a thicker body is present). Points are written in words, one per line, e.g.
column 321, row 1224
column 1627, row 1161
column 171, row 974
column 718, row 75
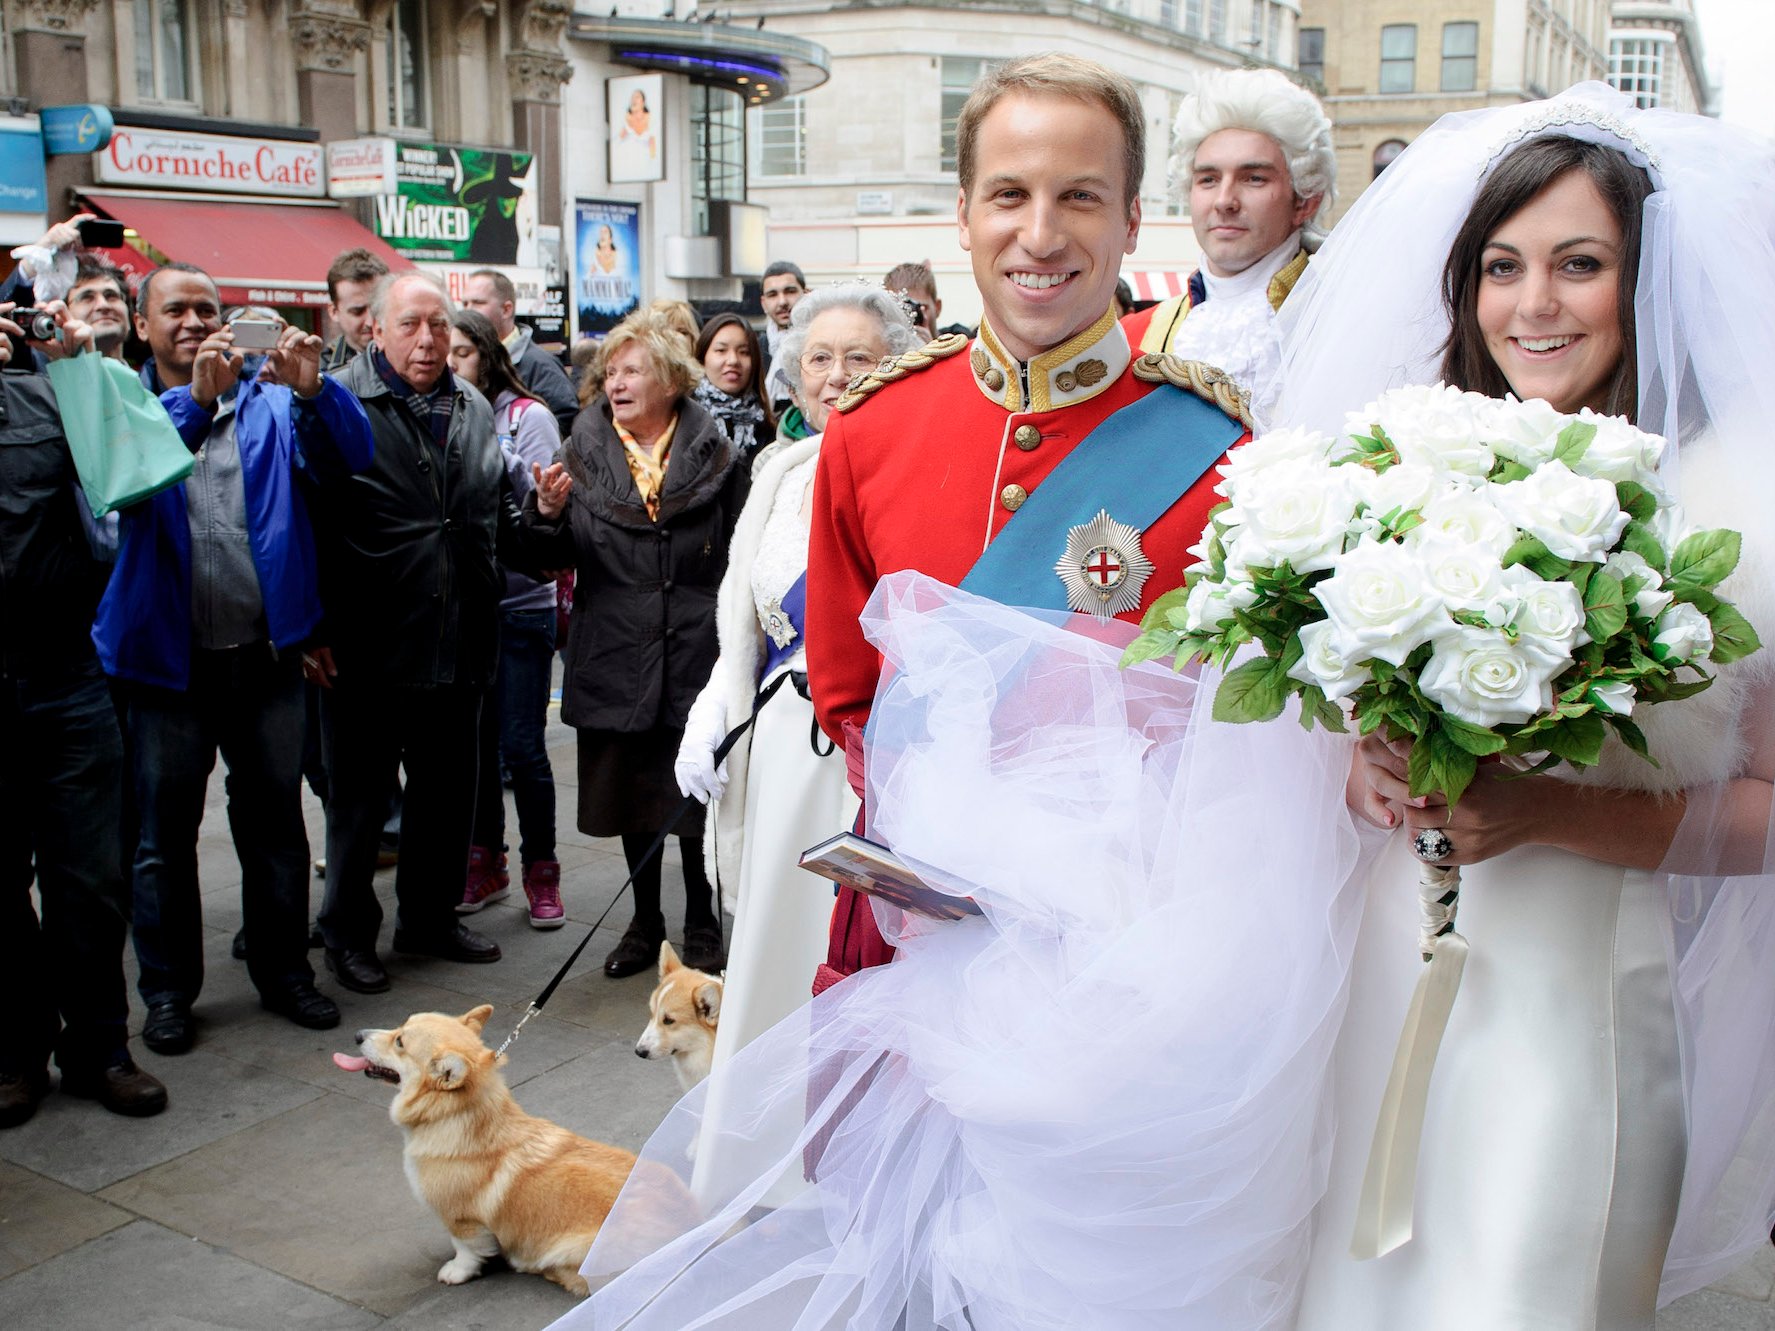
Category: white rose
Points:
column 1408, row 486
column 1682, row 634
column 1552, row 612
column 1323, row 664
column 1575, row 517
column 1482, row 677
column 1466, row 515
column 1209, row 606
column 1432, row 425
column 1379, row 603
column 1465, row 576
column 1671, row 525
column 1297, row 510
column 1620, row 451
column 1266, row 450
column 1650, row 600
column 1524, row 432
column 1615, row 696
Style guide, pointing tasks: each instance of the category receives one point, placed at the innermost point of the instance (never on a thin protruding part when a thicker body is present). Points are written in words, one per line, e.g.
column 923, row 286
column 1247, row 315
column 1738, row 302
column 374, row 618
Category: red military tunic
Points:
column 925, row 473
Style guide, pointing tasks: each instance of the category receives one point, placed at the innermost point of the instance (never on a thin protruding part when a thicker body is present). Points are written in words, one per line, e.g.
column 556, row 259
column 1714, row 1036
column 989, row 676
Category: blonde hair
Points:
column 661, row 342
column 1055, row 74
column 681, row 318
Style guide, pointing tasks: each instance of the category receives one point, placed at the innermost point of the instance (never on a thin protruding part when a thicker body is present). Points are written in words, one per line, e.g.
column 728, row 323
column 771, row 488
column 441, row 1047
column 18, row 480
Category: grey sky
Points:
column 1740, row 39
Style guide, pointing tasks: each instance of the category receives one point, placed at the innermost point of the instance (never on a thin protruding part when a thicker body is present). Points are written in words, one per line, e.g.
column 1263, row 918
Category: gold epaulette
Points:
column 898, row 367
column 1204, row 380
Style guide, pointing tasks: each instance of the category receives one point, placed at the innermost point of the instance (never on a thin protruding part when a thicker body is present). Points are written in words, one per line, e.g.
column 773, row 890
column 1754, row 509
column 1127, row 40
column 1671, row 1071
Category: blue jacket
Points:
column 143, row 630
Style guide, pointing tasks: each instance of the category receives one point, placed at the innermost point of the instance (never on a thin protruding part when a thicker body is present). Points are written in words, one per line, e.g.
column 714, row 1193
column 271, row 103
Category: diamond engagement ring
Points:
column 1431, row 845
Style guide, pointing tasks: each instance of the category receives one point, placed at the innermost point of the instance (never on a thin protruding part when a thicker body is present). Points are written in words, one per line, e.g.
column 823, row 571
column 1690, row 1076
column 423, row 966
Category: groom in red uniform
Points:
column 988, row 469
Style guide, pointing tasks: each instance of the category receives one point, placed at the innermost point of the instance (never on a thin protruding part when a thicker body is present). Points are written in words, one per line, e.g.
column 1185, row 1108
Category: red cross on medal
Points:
column 1104, row 567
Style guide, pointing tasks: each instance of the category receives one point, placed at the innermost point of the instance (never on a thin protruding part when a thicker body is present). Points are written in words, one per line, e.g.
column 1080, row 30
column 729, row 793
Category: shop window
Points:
column 1399, row 57
column 406, row 45
column 1311, row 48
column 717, row 151
column 166, row 41
column 1384, row 155
column 780, row 148
column 959, row 77
column 1460, row 57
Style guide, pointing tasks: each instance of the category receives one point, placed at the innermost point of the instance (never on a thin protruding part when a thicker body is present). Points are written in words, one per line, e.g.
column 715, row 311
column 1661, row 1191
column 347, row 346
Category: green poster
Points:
column 460, row 205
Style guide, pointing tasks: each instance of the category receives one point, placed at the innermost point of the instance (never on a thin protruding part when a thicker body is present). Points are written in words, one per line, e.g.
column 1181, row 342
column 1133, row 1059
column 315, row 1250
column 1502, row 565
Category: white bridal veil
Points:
column 1368, row 316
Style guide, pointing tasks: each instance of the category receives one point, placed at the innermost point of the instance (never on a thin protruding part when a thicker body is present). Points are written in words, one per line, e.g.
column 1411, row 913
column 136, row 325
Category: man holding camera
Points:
column 216, row 592
column 61, row 973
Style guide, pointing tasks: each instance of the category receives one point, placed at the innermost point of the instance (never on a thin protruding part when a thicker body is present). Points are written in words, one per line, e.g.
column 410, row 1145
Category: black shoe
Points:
column 703, row 950
column 359, row 972
column 169, row 1028
column 638, row 951
column 459, row 944
column 305, row 1005
column 20, row 1094
column 123, row 1088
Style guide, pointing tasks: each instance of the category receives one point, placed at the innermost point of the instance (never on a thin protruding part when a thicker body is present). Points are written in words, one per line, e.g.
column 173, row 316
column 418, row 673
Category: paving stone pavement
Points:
column 271, row 1193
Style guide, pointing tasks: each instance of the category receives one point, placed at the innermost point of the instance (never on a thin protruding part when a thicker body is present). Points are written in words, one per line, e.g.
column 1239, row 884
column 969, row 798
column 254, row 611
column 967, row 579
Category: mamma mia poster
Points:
column 606, row 263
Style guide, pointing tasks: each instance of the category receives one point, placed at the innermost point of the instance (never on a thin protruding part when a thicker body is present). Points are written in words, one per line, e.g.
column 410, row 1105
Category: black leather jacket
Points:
column 49, row 581
column 410, row 547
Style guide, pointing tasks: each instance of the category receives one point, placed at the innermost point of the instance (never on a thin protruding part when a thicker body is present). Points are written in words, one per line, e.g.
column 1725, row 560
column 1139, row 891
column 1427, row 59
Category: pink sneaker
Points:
column 542, row 885
column 487, row 882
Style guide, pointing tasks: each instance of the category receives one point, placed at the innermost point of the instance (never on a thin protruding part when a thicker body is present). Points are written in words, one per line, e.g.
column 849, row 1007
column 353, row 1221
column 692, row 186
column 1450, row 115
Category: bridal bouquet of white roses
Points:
column 1484, row 577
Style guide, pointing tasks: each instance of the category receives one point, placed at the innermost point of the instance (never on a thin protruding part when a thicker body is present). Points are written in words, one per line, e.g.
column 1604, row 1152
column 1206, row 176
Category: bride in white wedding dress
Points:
column 1599, row 1122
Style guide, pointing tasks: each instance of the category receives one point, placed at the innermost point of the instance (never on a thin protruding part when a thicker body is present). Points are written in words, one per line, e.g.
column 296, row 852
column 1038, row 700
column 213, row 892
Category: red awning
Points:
column 259, row 253
column 1157, row 286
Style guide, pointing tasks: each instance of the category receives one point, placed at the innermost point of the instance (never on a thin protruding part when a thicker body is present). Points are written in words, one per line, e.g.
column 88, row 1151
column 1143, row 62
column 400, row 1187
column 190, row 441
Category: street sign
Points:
column 75, row 129
column 22, row 184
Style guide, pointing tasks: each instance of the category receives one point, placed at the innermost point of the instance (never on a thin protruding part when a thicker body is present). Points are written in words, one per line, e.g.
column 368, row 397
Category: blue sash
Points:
column 794, row 609
column 1135, row 465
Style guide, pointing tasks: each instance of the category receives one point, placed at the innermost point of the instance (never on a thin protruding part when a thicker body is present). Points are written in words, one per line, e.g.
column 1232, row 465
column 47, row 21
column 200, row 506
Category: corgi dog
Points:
column 503, row 1182
column 684, row 1011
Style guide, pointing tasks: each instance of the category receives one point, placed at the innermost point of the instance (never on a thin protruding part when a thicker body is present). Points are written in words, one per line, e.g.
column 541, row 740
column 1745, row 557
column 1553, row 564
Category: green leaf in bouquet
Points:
column 1292, row 651
column 1605, row 608
column 1702, row 559
column 1525, row 548
column 1438, row 764
column 1158, row 614
column 1382, row 672
column 1476, row 740
column 1150, row 645
column 1506, row 470
column 1733, row 636
column 1636, row 501
column 1255, row 691
column 1633, row 737
column 1639, row 539
column 1577, row 739
column 1573, row 442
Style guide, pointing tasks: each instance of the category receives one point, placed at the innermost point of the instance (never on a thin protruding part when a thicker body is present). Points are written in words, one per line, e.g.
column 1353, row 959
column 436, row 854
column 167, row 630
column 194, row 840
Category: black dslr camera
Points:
column 39, row 325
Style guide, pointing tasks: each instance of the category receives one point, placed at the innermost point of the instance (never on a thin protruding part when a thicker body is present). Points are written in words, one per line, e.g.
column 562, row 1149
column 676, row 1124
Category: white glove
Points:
column 704, row 729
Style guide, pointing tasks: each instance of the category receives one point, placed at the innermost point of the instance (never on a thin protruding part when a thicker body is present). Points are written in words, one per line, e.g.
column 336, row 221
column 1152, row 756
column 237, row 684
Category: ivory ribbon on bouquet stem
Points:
column 1383, row 1215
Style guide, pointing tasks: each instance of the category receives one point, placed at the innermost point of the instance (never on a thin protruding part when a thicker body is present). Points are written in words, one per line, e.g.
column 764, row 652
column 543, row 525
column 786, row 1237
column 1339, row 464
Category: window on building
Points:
column 165, row 44
column 1254, row 38
column 1460, row 57
column 405, row 40
column 717, row 151
column 1217, row 21
column 781, row 145
column 1192, row 17
column 1384, row 155
column 1168, row 13
column 1310, row 47
column 1399, row 57
column 959, row 77
column 1636, row 67
column 1273, row 37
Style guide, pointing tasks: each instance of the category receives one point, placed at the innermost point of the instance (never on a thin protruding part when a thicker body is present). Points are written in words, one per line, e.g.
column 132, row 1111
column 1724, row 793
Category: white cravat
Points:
column 1255, row 278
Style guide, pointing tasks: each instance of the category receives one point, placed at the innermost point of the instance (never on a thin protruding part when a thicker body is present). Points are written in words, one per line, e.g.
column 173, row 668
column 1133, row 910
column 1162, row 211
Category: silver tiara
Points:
column 1560, row 114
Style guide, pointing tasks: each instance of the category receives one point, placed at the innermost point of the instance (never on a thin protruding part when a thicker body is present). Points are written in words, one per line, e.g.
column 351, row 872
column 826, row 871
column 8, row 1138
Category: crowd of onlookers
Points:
column 362, row 581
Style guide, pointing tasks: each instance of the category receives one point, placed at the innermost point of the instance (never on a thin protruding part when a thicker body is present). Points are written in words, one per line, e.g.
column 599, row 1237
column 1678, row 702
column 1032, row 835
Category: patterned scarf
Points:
column 739, row 417
column 434, row 407
column 648, row 465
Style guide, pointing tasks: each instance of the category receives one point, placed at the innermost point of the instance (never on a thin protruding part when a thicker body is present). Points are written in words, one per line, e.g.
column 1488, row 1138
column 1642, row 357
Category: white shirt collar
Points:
column 1255, row 278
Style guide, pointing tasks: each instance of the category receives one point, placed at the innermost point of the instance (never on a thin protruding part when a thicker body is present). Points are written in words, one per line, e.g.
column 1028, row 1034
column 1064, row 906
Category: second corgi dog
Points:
column 684, row 1011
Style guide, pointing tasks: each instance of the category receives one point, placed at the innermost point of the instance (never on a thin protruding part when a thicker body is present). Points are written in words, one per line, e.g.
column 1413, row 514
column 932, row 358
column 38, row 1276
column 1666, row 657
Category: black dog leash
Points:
column 690, row 802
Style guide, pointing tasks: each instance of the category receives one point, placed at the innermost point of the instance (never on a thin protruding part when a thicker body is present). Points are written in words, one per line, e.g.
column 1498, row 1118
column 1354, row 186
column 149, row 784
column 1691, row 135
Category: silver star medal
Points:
column 1104, row 567
column 777, row 625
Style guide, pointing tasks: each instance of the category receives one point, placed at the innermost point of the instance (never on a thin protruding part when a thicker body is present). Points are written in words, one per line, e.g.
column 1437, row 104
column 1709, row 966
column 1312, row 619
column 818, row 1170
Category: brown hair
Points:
column 1519, row 179
column 353, row 266
column 1057, row 75
column 760, row 370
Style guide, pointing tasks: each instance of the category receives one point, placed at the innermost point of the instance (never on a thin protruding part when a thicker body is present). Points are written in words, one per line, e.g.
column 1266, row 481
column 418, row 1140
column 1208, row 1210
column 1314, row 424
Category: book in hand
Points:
column 876, row 871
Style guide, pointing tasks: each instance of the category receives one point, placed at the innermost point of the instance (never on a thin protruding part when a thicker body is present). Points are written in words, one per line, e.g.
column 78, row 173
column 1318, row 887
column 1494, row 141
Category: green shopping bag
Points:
column 124, row 444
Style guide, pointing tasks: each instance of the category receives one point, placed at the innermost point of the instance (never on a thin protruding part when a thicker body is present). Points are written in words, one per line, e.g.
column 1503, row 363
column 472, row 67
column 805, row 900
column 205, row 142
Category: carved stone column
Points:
column 535, row 70
column 49, row 39
column 328, row 34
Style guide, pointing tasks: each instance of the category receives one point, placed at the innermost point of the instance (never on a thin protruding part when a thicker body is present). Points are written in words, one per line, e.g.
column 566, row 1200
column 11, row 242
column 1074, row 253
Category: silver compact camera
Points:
column 39, row 325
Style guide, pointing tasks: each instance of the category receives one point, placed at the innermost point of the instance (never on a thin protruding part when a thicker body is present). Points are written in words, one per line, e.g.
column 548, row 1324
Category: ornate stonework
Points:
column 59, row 16
column 328, row 42
column 540, row 23
column 536, row 76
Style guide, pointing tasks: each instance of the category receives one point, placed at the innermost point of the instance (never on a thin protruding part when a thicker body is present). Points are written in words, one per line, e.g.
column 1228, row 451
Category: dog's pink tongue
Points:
column 350, row 1062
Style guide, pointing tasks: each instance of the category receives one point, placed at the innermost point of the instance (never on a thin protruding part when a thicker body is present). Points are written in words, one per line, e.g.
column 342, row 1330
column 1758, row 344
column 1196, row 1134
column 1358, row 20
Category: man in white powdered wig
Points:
column 1255, row 161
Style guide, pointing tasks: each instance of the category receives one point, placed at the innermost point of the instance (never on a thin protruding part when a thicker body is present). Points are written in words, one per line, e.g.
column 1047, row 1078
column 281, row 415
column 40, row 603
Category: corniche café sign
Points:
column 165, row 159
